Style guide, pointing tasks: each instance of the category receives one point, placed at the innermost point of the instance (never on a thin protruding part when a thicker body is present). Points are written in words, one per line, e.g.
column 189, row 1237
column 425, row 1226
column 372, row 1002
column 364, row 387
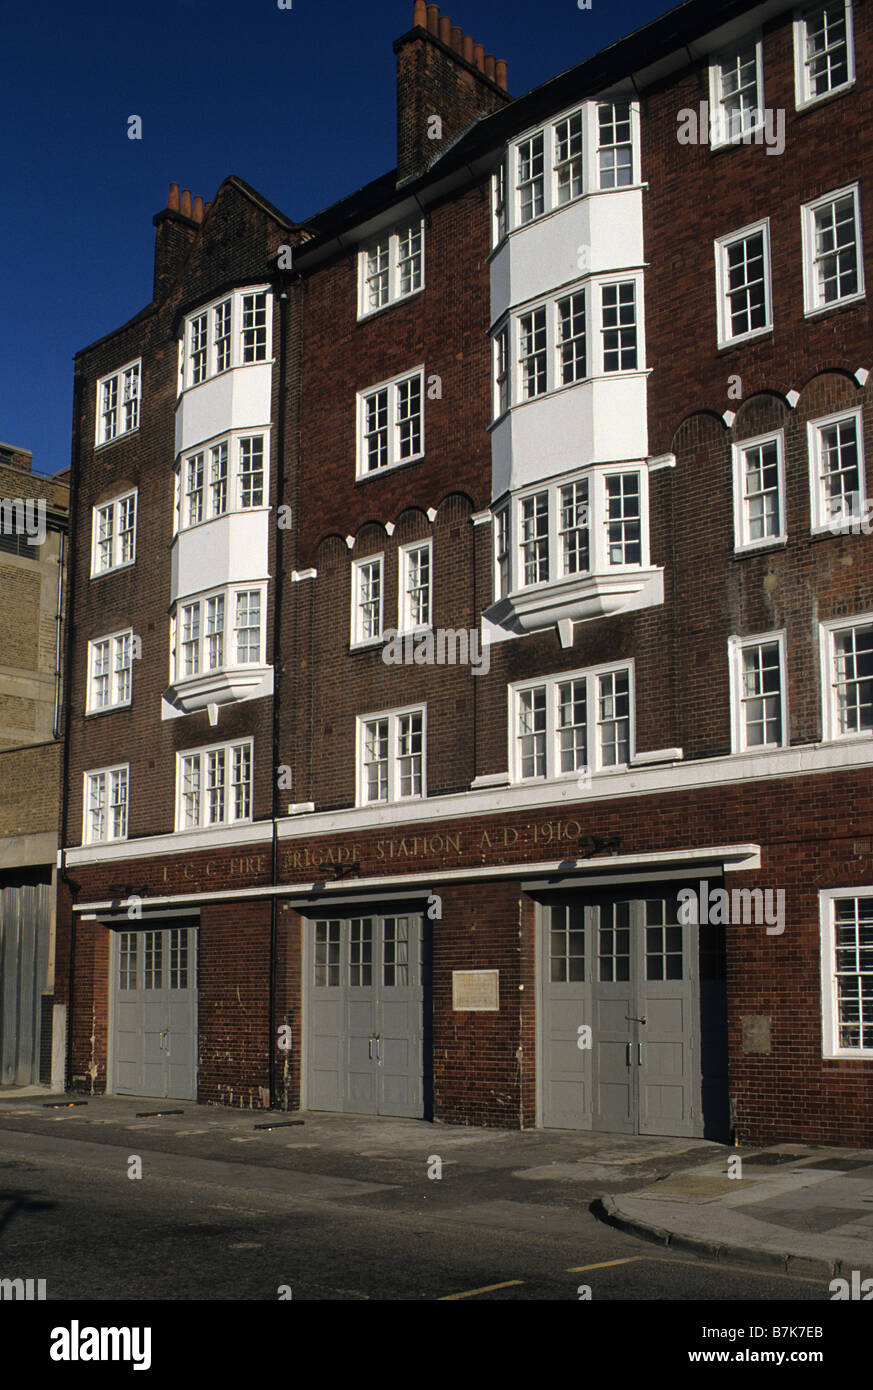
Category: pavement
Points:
column 799, row 1209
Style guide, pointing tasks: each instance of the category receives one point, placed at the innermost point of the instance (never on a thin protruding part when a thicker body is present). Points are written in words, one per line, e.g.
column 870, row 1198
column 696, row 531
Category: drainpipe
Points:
column 283, row 283
column 78, row 388
column 56, row 728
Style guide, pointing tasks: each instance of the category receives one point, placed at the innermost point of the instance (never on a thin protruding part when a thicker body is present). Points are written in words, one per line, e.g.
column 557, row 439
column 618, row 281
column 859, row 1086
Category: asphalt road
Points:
column 240, row 1217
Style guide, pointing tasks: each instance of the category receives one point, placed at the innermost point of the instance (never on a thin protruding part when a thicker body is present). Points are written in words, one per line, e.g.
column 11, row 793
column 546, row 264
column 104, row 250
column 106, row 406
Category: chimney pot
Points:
column 479, row 56
column 186, row 202
column 457, row 37
column 419, row 16
column 173, row 197
column 198, row 209
column 490, row 66
column 445, row 29
column 206, row 207
column 433, row 19
column 468, row 49
column 501, row 73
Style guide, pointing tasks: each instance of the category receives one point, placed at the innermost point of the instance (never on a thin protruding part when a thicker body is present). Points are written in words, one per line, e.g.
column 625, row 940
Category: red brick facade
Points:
column 814, row 827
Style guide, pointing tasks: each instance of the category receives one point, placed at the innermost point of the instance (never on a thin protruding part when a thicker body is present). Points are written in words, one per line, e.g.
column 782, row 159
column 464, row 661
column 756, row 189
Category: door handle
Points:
column 379, row 1049
column 631, row 1018
column 370, row 1042
column 629, row 1057
column 639, row 1054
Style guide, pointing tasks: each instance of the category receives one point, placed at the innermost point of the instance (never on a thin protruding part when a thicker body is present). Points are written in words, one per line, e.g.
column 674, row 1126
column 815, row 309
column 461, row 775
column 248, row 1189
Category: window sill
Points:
column 222, row 516
column 564, row 207
column 626, row 375
column 389, row 468
column 104, row 574
column 107, row 709
column 846, row 303
column 745, row 552
column 218, row 376
column 371, row 645
column 801, row 108
column 107, row 443
column 386, row 308
column 726, row 345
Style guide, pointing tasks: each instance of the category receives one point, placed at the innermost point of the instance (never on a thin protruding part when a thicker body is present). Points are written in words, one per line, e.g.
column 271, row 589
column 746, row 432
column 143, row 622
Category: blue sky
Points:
column 298, row 102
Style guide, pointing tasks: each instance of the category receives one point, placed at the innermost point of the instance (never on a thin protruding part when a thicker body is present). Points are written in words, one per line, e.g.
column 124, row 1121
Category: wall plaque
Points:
column 475, row 991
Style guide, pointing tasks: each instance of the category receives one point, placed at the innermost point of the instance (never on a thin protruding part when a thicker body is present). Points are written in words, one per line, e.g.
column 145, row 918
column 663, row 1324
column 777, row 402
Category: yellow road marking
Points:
column 607, row 1264
column 471, row 1293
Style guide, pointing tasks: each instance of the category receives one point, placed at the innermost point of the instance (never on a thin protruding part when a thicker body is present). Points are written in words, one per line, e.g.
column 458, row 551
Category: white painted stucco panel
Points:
column 236, row 400
column 230, row 550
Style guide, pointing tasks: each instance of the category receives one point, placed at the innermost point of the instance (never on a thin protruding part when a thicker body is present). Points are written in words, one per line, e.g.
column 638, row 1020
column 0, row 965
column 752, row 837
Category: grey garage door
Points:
column 154, row 1016
column 620, row 1016
column 364, row 1003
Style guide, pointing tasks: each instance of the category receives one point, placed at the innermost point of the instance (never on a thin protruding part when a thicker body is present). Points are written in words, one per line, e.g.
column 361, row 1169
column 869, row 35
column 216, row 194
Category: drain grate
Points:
column 841, row 1165
column 770, row 1160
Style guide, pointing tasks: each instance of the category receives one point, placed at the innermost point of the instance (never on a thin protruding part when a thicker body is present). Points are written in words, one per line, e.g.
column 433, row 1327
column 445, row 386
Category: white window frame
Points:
column 404, row 624
column 820, row 515
column 392, row 386
column 827, row 658
column 357, row 627
column 108, row 773
column 803, row 96
column 395, row 294
column 726, row 338
column 828, row 899
column 118, row 377
column 229, row 644
column 811, row 304
column 115, row 641
column 236, row 356
column 117, row 563
column 233, row 477
column 592, row 676
column 595, row 349
column 719, row 137
column 736, row 648
column 228, row 750
column 393, row 717
column 743, row 541
column 598, row 521
column 590, row 156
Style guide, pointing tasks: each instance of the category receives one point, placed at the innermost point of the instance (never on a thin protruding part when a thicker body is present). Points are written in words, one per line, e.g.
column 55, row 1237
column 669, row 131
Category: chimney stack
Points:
column 441, row 71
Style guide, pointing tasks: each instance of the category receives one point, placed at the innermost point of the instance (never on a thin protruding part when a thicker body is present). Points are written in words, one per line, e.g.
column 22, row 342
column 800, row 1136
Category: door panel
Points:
column 365, row 1009
column 638, row 987
column 155, row 1012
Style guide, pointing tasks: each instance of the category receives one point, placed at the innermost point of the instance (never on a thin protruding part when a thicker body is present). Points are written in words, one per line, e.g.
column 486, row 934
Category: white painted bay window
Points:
column 234, row 331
